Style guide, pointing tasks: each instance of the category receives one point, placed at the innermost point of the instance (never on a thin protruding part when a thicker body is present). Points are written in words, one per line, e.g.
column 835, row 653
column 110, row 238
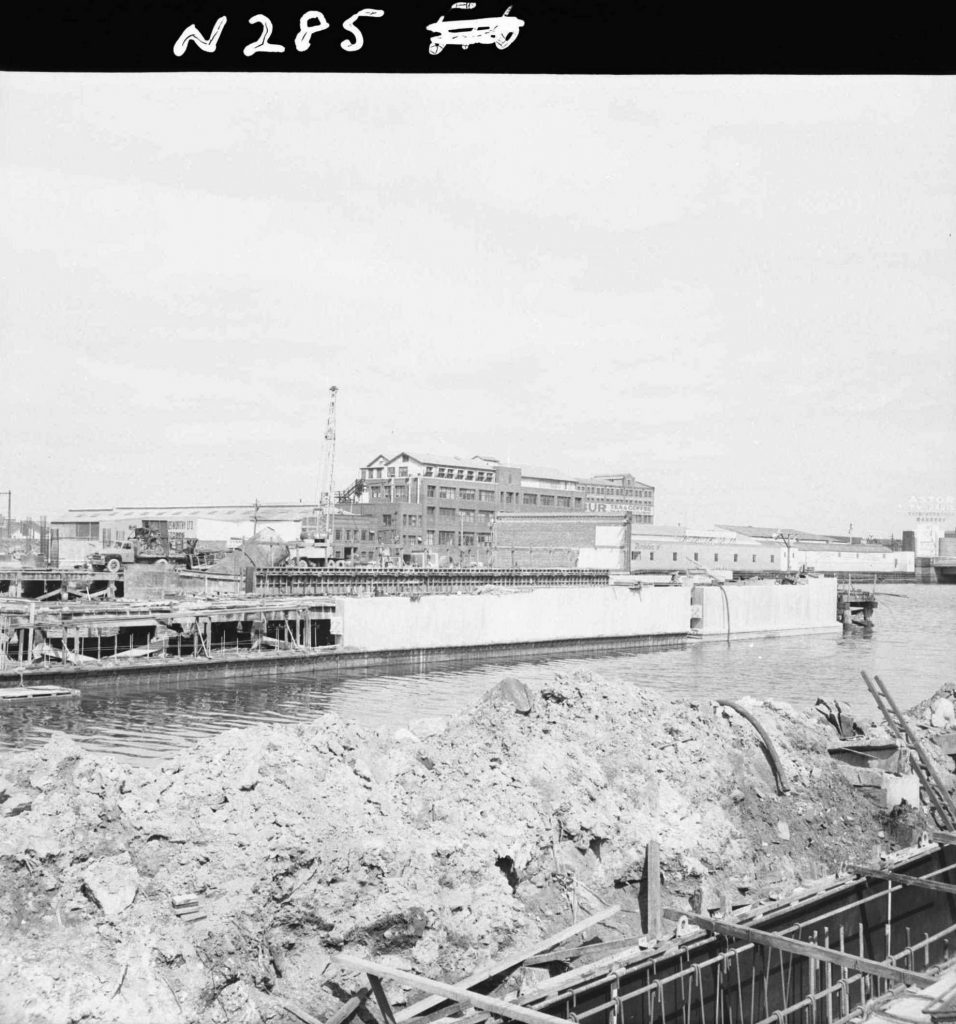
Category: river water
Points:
column 912, row 646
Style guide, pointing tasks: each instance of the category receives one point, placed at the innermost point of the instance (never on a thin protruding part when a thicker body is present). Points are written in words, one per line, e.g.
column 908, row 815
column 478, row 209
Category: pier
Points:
column 855, row 605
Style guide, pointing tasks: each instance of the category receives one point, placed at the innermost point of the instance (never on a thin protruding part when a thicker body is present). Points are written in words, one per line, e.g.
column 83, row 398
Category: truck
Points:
column 148, row 544
column 310, row 553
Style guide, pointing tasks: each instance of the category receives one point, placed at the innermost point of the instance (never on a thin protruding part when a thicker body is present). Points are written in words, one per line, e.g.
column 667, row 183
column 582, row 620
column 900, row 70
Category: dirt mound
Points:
column 433, row 848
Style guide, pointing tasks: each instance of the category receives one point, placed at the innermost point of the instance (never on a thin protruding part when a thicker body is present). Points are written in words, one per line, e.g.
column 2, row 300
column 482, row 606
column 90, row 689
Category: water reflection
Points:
column 912, row 646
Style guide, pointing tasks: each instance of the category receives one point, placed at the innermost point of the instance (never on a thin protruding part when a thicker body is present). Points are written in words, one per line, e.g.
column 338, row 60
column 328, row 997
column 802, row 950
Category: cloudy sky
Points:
column 742, row 290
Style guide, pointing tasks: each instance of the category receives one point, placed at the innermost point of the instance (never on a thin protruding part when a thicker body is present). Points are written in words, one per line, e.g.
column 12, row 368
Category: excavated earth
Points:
column 435, row 849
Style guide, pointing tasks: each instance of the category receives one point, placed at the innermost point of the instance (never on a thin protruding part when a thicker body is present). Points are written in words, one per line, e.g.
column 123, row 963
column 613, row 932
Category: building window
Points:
column 387, row 519
column 466, row 494
column 430, row 536
column 771, row 559
column 696, row 557
column 446, row 537
column 754, row 558
column 486, row 495
column 403, row 470
column 431, row 511
column 468, row 539
column 390, row 471
column 636, row 556
column 735, row 557
column 338, row 534
column 547, row 499
column 716, row 557
column 651, row 556
column 675, row 556
column 365, row 535
column 447, row 513
column 564, row 502
column 446, row 492
column 509, row 498
column 530, row 499
column 401, row 494
column 431, row 490
column 429, row 471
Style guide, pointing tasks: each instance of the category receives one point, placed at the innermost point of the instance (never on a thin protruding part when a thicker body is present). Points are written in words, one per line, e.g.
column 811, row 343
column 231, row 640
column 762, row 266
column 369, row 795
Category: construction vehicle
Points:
column 148, row 544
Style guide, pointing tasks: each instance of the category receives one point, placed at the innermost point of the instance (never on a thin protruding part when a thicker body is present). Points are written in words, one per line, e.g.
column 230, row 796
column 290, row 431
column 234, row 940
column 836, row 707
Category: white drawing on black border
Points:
column 501, row 29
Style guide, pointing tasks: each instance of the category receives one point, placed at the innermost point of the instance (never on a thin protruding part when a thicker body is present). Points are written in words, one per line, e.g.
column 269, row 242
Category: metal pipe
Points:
column 781, row 778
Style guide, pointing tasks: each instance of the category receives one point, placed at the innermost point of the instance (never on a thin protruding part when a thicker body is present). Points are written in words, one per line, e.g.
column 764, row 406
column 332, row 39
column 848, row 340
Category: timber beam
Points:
column 889, row 972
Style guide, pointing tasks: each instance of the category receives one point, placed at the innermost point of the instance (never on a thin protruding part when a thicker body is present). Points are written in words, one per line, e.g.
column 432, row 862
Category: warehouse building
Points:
column 617, row 541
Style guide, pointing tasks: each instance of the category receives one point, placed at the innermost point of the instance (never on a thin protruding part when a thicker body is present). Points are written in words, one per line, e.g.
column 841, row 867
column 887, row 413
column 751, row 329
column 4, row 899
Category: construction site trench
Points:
column 219, row 887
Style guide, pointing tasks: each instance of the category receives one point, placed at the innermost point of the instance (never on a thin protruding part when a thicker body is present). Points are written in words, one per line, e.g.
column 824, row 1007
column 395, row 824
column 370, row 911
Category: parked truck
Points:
column 148, row 544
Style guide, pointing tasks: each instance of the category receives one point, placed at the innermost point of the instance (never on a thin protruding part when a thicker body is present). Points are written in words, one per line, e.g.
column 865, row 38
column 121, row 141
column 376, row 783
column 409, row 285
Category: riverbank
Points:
column 433, row 848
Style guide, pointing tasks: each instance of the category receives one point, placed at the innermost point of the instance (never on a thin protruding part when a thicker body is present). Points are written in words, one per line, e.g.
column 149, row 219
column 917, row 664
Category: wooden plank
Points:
column 383, row 1004
column 653, row 874
column 303, row 1015
column 800, row 948
column 348, row 1010
column 513, row 960
column 943, row 838
column 569, row 952
column 509, row 1011
column 895, row 876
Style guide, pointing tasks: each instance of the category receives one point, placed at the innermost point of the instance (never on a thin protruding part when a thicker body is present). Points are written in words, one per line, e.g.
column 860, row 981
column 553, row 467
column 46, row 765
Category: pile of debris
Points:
column 218, row 887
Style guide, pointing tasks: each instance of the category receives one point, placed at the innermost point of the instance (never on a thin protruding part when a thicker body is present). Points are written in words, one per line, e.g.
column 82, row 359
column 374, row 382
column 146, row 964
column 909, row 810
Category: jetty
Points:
column 170, row 621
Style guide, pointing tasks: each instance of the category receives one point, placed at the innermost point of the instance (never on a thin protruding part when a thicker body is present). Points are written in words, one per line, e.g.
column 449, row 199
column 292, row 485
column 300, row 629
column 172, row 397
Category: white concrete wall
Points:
column 548, row 613
column 767, row 608
column 855, row 561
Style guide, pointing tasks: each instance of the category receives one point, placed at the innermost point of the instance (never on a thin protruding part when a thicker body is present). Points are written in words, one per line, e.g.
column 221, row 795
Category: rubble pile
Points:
column 433, row 849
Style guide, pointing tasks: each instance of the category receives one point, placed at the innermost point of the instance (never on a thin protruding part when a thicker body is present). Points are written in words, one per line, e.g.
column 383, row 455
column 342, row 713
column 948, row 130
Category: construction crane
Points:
column 326, row 495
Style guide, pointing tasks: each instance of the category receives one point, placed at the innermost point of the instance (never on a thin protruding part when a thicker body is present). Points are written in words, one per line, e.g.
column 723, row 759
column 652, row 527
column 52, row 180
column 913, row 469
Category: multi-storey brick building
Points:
column 440, row 507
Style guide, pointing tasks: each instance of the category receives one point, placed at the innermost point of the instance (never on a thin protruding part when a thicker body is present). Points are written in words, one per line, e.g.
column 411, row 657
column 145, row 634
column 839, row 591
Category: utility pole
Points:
column 327, row 498
column 9, row 530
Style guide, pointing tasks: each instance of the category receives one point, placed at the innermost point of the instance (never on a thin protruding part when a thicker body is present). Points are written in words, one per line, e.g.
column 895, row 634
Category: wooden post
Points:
column 653, row 875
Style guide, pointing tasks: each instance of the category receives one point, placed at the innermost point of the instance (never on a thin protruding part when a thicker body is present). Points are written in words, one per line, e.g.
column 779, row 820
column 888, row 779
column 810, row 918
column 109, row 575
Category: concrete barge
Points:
column 87, row 640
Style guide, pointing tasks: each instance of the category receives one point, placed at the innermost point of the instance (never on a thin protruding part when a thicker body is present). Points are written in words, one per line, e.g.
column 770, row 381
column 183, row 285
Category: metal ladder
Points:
column 936, row 792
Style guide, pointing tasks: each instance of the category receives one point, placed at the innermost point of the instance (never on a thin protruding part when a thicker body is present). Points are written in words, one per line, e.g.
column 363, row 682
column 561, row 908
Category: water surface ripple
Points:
column 912, row 647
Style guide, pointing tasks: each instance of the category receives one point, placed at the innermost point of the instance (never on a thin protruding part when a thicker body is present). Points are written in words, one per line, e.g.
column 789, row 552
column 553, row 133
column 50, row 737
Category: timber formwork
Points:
column 826, row 956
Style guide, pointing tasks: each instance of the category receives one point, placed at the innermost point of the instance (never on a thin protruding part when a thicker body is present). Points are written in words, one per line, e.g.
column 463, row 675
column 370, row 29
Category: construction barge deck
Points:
column 340, row 619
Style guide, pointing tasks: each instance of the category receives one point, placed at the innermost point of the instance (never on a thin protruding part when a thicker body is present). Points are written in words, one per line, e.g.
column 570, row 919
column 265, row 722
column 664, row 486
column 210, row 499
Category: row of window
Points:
column 453, row 538
column 445, row 472
column 612, row 491
column 636, row 556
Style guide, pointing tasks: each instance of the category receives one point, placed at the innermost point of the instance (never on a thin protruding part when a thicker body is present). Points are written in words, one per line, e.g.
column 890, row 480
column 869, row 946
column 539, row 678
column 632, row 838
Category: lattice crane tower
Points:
column 930, row 515
column 326, row 495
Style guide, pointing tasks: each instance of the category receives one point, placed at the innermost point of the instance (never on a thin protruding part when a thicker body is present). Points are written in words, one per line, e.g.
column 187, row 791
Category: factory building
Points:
column 443, row 510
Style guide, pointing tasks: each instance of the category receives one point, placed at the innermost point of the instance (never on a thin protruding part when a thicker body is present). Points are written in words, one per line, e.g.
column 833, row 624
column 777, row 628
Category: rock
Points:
column 514, row 691
column 249, row 778
column 425, row 727
column 783, row 830
column 15, row 804
column 944, row 713
column 112, row 883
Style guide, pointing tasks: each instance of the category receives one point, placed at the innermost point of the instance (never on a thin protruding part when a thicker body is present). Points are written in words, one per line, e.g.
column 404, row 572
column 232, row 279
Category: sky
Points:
column 742, row 290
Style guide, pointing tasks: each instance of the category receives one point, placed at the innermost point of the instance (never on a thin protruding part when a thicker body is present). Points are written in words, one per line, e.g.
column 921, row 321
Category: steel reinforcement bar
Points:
column 300, row 581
